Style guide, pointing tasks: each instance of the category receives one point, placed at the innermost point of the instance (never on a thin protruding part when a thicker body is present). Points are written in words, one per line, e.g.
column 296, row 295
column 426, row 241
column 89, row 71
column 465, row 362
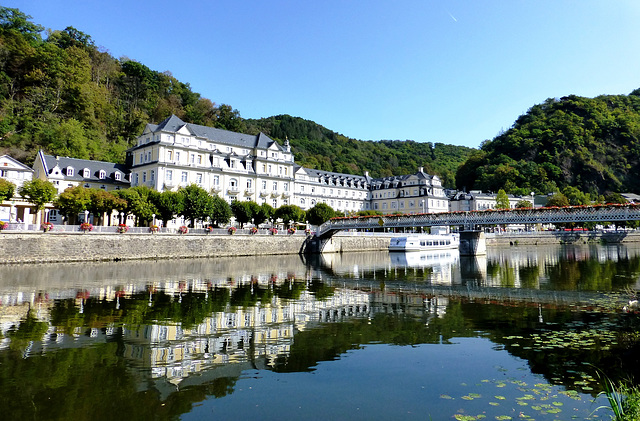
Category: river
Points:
column 518, row 334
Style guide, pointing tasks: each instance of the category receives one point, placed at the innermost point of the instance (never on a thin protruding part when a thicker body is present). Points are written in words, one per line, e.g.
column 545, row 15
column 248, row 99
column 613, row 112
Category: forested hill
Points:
column 592, row 144
column 315, row 146
column 62, row 94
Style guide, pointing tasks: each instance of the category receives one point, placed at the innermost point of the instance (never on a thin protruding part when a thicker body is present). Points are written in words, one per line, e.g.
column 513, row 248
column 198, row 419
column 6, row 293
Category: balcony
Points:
column 216, row 188
column 264, row 193
column 233, row 190
column 249, row 191
column 286, row 194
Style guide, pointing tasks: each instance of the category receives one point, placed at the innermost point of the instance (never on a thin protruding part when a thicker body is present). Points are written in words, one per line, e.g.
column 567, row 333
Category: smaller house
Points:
column 16, row 172
column 66, row 172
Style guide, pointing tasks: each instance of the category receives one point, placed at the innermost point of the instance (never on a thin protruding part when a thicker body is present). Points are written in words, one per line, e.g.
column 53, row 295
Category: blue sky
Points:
column 450, row 71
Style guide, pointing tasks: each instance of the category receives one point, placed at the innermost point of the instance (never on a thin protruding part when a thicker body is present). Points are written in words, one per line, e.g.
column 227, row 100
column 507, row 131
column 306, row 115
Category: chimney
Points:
column 420, row 169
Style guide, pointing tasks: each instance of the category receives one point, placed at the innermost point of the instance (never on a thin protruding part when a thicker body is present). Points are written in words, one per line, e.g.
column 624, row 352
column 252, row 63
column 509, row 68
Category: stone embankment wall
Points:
column 563, row 237
column 77, row 247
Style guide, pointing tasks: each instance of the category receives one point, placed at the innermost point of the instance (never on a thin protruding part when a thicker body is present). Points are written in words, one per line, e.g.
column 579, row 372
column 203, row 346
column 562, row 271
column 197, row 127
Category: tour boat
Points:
column 424, row 242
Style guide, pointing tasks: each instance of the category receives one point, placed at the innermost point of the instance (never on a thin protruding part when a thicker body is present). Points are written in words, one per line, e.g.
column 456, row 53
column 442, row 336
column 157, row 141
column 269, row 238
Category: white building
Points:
column 233, row 165
column 66, row 172
column 238, row 166
column 476, row 200
column 413, row 193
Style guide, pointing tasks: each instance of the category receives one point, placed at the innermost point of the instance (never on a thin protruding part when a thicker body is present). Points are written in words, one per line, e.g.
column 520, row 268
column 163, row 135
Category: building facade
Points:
column 238, row 166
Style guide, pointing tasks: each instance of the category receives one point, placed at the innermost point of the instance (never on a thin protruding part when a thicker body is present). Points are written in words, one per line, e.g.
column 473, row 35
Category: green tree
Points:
column 502, row 200
column 138, row 203
column 103, row 202
column 576, row 197
column 264, row 213
column 523, row 204
column 169, row 204
column 197, row 203
column 558, row 200
column 220, row 212
column 614, row 198
column 320, row 213
column 72, row 201
column 38, row 192
column 289, row 213
column 7, row 189
column 244, row 211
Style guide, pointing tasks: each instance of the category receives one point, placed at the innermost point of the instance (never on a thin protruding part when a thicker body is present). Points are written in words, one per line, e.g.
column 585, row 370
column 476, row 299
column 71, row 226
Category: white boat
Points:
column 424, row 242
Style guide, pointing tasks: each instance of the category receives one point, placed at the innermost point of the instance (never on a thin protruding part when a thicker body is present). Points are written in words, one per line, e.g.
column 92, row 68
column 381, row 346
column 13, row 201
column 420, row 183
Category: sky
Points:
column 450, row 71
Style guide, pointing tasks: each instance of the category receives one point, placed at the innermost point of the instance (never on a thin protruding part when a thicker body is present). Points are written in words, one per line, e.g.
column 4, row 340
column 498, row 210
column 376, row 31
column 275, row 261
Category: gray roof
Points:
column 173, row 124
column 319, row 173
column 94, row 168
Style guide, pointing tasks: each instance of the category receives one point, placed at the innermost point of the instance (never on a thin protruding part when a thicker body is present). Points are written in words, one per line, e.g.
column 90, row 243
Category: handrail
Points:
column 468, row 219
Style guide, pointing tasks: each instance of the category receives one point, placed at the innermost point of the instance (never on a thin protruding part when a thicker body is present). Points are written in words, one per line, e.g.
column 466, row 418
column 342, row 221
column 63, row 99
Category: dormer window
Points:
column 102, row 174
column 118, row 176
column 69, row 172
column 86, row 173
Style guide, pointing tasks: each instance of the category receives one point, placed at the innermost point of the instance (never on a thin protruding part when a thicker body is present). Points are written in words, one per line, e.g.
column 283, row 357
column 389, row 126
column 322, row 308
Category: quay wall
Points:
column 38, row 247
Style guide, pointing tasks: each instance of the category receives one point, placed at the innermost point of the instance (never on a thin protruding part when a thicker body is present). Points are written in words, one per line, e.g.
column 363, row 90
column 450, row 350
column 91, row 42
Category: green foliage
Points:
column 197, row 203
column 7, row 189
column 502, row 200
column 289, row 213
column 558, row 199
column 592, row 144
column 38, row 192
column 576, row 197
column 168, row 204
column 263, row 214
column 244, row 211
column 320, row 213
column 316, row 147
column 523, row 204
column 103, row 202
column 72, row 201
column 220, row 212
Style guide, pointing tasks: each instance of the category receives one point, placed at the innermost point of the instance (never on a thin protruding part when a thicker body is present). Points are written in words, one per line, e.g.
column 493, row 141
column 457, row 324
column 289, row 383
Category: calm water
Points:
column 354, row 336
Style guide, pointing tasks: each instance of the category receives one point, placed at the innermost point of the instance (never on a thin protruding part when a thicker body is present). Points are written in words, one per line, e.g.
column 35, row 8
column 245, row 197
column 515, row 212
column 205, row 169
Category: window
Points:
column 302, row 202
column 177, row 156
column 199, row 159
column 137, row 178
column 169, row 175
column 264, row 185
column 69, row 171
column 269, row 169
column 144, row 176
column 216, row 180
column 301, row 189
column 286, row 186
column 275, row 185
column 233, row 183
column 169, row 155
column 198, row 178
column 152, row 175
column 275, row 203
column 86, row 173
column 118, row 176
column 193, row 158
column 249, row 184
column 185, row 177
column 264, row 167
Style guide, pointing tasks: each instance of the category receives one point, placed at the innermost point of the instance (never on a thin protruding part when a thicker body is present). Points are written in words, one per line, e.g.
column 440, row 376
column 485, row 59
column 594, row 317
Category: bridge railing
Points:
column 552, row 215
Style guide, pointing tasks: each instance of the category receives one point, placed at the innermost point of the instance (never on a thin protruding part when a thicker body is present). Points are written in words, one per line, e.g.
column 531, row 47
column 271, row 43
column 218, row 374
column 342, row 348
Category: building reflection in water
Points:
column 324, row 289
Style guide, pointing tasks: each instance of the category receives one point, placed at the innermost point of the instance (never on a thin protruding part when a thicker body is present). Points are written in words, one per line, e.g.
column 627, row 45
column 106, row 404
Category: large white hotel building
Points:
column 238, row 166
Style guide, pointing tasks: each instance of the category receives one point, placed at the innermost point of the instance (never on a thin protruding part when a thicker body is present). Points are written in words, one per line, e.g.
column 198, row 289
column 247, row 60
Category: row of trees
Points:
column 193, row 203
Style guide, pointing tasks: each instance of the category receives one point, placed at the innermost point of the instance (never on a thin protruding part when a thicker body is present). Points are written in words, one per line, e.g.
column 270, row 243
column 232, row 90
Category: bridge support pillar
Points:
column 472, row 243
column 317, row 245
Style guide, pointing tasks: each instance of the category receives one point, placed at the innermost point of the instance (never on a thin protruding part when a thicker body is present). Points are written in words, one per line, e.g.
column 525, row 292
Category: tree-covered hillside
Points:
column 317, row 147
column 61, row 93
column 64, row 95
column 592, row 144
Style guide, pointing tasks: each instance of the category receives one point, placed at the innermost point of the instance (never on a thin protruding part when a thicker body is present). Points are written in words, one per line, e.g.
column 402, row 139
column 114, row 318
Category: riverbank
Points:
column 39, row 247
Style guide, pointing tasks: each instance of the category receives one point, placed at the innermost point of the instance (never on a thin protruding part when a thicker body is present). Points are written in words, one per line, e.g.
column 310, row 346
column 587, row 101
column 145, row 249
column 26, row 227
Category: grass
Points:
column 624, row 400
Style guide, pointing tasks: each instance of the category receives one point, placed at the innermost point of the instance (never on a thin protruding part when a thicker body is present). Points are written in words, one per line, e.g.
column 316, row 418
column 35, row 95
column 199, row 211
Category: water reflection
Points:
column 171, row 326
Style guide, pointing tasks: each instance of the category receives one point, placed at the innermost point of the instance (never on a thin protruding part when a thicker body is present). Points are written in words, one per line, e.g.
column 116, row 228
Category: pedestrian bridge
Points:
column 470, row 221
